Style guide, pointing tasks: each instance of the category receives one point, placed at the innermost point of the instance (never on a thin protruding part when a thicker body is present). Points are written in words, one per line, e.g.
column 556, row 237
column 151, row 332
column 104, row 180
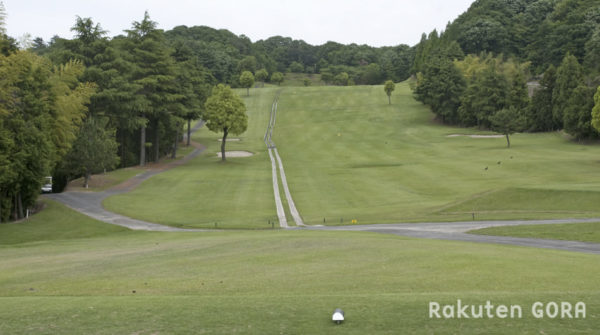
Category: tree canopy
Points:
column 226, row 113
column 247, row 80
column 389, row 87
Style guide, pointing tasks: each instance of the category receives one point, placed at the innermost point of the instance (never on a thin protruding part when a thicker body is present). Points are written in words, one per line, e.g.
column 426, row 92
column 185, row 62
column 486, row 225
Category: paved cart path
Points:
column 90, row 203
column 457, row 231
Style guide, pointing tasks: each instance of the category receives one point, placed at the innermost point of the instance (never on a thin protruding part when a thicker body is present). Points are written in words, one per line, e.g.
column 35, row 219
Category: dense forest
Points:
column 536, row 61
column 73, row 107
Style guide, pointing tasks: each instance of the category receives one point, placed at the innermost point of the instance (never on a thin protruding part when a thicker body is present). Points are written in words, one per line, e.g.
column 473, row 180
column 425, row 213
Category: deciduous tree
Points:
column 507, row 121
column 261, row 76
column 277, row 78
column 389, row 87
column 247, row 80
column 485, row 95
column 225, row 112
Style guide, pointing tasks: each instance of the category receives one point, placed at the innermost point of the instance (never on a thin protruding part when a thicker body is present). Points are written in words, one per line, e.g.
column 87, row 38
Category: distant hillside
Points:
column 475, row 72
column 226, row 55
column 540, row 31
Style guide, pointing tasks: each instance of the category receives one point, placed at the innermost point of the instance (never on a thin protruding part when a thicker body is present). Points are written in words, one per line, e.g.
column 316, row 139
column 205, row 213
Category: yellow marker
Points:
column 354, row 221
column 339, row 134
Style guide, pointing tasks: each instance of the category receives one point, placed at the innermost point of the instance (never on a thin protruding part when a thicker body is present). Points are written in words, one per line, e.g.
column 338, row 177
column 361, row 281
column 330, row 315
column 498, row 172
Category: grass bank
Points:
column 584, row 232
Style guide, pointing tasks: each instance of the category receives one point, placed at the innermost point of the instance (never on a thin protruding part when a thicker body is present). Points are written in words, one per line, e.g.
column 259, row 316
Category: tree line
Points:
column 514, row 66
column 88, row 104
column 225, row 56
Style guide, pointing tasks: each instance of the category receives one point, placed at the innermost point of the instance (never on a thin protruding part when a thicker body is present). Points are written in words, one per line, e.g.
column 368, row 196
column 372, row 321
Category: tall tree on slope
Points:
column 225, row 112
column 154, row 72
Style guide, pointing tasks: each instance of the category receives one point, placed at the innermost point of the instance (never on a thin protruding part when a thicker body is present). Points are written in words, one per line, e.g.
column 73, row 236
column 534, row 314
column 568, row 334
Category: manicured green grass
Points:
column 205, row 191
column 282, row 282
column 349, row 155
column 585, row 232
column 54, row 222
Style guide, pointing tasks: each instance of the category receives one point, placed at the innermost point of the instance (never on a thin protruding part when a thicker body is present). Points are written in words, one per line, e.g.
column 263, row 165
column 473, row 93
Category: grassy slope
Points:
column 349, row 155
column 55, row 222
column 238, row 193
column 585, row 232
column 281, row 282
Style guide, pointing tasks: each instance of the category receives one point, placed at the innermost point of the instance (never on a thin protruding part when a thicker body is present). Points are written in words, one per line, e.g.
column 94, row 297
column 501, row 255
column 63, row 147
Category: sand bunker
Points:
column 230, row 140
column 477, row 136
column 236, row 154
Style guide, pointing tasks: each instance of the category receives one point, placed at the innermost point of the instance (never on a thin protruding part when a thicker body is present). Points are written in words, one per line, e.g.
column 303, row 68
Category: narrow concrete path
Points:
column 457, row 231
column 278, row 204
column 90, row 203
column 270, row 145
column 273, row 149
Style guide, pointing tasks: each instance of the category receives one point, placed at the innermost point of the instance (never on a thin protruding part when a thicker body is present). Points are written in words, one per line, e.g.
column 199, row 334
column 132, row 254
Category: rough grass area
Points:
column 54, row 222
column 585, row 232
column 282, row 282
column 103, row 181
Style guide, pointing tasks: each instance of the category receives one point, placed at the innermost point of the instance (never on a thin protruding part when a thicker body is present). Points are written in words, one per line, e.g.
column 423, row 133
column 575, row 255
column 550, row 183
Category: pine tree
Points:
column 441, row 87
column 578, row 113
column 154, row 73
column 569, row 75
column 94, row 150
column 539, row 113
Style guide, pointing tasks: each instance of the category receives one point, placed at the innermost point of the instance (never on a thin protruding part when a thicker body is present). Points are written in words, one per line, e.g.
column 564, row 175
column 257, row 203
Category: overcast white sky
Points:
column 372, row 22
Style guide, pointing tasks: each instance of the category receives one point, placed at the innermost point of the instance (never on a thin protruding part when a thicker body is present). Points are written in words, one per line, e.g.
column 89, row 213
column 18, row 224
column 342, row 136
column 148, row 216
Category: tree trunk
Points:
column 174, row 154
column 143, row 146
column 507, row 141
column 156, row 144
column 14, row 209
column 123, row 149
column 189, row 132
column 247, row 91
column 86, row 180
column 389, row 100
column 20, row 206
column 225, row 132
